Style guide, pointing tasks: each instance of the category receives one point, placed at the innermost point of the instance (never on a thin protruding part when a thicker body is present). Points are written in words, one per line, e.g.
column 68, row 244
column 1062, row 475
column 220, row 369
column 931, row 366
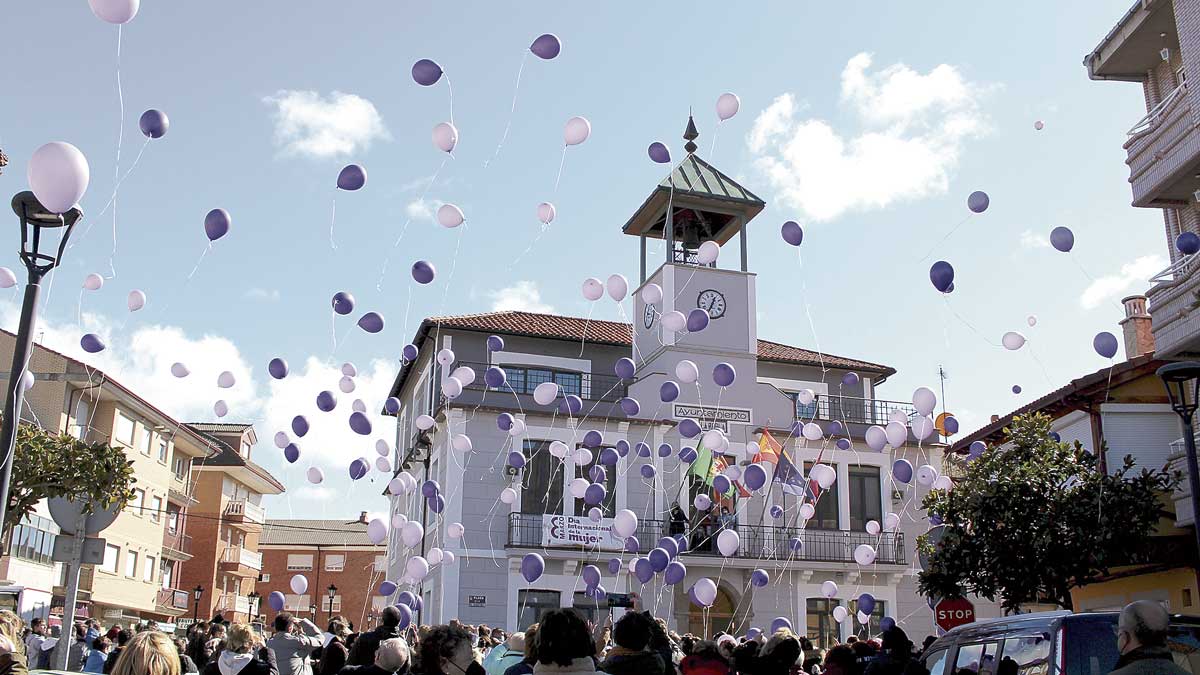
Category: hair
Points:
column 390, row 616
column 439, row 643
column 707, row 649
column 531, row 648
column 659, row 640
column 632, row 631
column 216, row 630
column 852, row 639
column 1146, row 621
column 687, row 644
column 11, row 625
column 149, row 653
column 80, row 631
column 563, row 636
column 516, row 642
column 283, row 621
column 101, row 643
column 37, row 622
column 843, row 656
column 242, row 638
column 896, row 641
column 782, row 649
column 338, row 628
column 123, row 636
column 392, row 654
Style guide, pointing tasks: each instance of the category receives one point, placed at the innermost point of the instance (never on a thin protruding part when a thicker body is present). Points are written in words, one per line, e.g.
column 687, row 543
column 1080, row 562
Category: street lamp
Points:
column 253, row 596
column 35, row 220
column 196, row 593
column 313, row 610
column 1182, row 379
column 332, row 592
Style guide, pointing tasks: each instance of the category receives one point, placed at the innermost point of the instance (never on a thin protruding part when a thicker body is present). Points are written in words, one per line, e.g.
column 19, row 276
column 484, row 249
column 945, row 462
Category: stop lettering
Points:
column 952, row 612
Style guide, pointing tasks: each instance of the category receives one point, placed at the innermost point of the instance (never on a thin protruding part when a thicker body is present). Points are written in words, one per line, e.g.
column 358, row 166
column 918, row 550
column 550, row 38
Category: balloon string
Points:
column 404, row 228
column 117, row 169
column 450, row 89
column 712, row 149
column 560, row 169
column 945, row 237
column 107, row 205
column 512, row 111
column 202, row 254
column 332, row 220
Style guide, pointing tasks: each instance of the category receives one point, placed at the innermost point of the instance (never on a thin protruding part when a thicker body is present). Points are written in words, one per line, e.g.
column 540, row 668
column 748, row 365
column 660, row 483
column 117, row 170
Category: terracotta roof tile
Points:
column 284, row 532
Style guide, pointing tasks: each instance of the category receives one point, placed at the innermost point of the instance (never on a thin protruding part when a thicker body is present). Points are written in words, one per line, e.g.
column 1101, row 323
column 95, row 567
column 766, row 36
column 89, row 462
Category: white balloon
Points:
column 398, row 519
column 922, row 427
column 896, row 434
column 578, row 487
column 377, row 531
column 592, row 289
column 545, row 213
column 924, row 400
column 517, row 428
column 281, row 440
column 872, row 527
column 395, row 487
column 583, row 457
column 93, row 282
column 840, row 613
column 1039, row 125
column 461, row 442
column 806, row 396
column 449, row 215
column 595, row 514
column 876, row 438
column 1013, row 340
column 926, row 475
column 728, row 542
column 58, row 174
column 445, row 136
column 298, row 584
column 686, row 371
column 346, row 384
column 115, row 11
column 226, row 380
column 424, row 422
column 464, row 374
column 733, row 473
column 410, row 483
column 862, row 618
column 1031, row 320
column 864, row 554
column 180, row 370
column 7, row 278
column 417, row 568
column 812, row 431
column 135, row 301
column 942, row 483
column 708, row 252
column 807, row 511
column 411, row 534
column 220, row 408
column 349, row 370
column 625, row 523
column 455, row 530
column 434, row 555
column 898, row 415
column 445, row 357
column 712, row 438
column 577, row 130
column 674, row 320
column 545, row 393
column 891, row 521
column 824, row 474
column 508, row 495
column 382, row 448
column 617, row 287
column 558, row 449
column 447, row 558
column 452, row 387
column 829, row 589
column 315, row 475
column 651, row 293
column 705, row 591
column 727, row 105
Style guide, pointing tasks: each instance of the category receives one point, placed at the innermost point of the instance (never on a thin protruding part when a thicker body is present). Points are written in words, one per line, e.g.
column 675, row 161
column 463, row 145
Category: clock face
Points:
column 712, row 302
column 648, row 316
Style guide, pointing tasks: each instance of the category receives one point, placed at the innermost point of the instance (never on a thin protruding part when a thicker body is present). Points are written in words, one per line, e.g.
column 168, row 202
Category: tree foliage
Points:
column 1032, row 518
column 59, row 465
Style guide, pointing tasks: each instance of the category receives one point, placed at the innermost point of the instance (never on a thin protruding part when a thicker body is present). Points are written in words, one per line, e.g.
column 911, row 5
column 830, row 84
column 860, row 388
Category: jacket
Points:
column 1147, row 661
column 112, row 659
column 291, row 651
column 362, row 652
column 522, row 668
column 77, row 653
column 500, row 659
column 699, row 665
column 334, row 657
column 95, row 662
column 623, row 661
column 233, row 663
column 187, row 665
column 370, row 670
column 581, row 666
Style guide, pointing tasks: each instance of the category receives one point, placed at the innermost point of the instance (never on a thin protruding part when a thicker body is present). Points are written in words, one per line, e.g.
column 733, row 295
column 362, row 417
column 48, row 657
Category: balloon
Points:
column 632, row 545
column 864, row 554
column 1012, row 340
column 351, row 177
column 220, row 408
column 508, row 495
column 277, row 368
column 545, row 393
column 941, row 274
column 674, row 572
column 705, row 591
column 759, row 578
column 326, row 401
column 450, row 216
column 377, row 531
column 754, row 477
column 574, row 403
column 807, row 511
column 792, row 233
column 445, row 136
column 723, row 374
column 829, row 589
column 462, row 442
column 409, row 353
column 850, row 380
column 702, row 502
column 1031, row 320
column 417, row 568
column 659, row 558
column 577, row 130
column 532, row 567
column 625, row 523
column 216, row 224
column 546, row 46
column 669, row 391
column 93, row 282
column 494, row 377
column 942, row 483
column 697, row 320
column 1105, row 344
column 594, row 494
column 455, row 530
column 1016, row 389
column 1062, row 239
column 115, row 11
column 866, row 604
column 8, row 280
column 926, row 474
column 896, row 434
column 1188, row 243
column 1038, row 125
column 423, row 272
column 342, row 303
column 91, row 343
column 862, row 618
column 924, row 400
column 806, row 396
column 592, row 439
column 298, row 584
column 708, row 252
column 359, row 468
column 686, row 371
column 276, row 601
column 659, row 153
column 651, row 293
column 689, row 428
column 728, row 542
column 315, row 475
column 424, row 422
column 721, row 484
column 978, row 201
column 840, row 613
column 643, row 570
column 545, row 214
column 558, row 449
column 891, row 521
column 824, row 474
column 592, row 289
column 902, row 471
column 299, row 426
column 426, row 73
column 411, row 534
column 179, row 370
column 674, row 320
column 281, row 440
column 648, row 471
column 876, row 437
column 430, row 488
column 386, row 588
column 727, row 105
column 922, row 427
column 779, row 623
column 58, row 174
column 624, row 368
column 226, row 380
column 452, row 387
column 950, row 424
column 776, row 511
column 153, row 123
column 617, row 287
column 872, row 527
column 578, row 487
column 812, row 431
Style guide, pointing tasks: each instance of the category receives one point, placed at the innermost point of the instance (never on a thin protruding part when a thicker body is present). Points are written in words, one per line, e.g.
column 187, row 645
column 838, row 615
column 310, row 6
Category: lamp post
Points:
column 35, row 220
column 253, row 596
column 332, row 592
column 313, row 609
column 1182, row 379
column 196, row 593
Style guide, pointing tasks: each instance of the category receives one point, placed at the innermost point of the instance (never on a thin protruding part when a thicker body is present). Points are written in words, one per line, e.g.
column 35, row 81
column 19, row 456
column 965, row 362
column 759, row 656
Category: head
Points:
column 148, row 653
column 151, row 625
column 80, row 631
column 123, row 637
column 101, row 644
column 390, row 616
column 516, row 642
column 782, row 649
column 531, row 650
column 242, row 639
column 841, row 656
column 392, row 655
column 632, row 631
column 38, row 625
column 180, row 644
column 1143, row 623
column 449, row 650
column 563, row 636
column 339, row 629
column 283, row 622
column 11, row 625
column 852, row 639
column 216, row 631
column 929, row 639
column 707, row 649
column 895, row 641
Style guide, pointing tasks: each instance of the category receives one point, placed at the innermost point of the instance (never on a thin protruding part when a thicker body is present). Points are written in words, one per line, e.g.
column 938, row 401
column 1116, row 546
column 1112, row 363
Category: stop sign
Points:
column 951, row 612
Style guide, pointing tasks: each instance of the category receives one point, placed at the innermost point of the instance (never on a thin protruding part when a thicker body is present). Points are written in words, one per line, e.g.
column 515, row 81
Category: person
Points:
column 292, row 642
column 704, row 658
column 895, row 654
column 123, row 637
column 33, row 643
column 77, row 653
column 362, row 652
column 186, row 664
column 148, row 653
column 811, row 656
column 448, row 650
column 244, row 654
column 96, row 657
column 197, row 638
column 11, row 662
column 92, row 631
column 335, row 653
column 779, row 654
column 678, row 520
column 391, row 658
column 660, row 641
column 504, row 656
column 564, row 644
column 631, row 636
column 529, row 657
column 727, row 520
column 1142, row 641
column 840, row 660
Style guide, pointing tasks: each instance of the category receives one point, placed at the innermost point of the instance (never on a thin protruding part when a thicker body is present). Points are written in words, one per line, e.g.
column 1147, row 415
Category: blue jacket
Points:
column 95, row 662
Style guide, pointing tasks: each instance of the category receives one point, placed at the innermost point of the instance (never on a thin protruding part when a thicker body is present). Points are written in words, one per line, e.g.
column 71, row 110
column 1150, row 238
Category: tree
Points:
column 47, row 465
column 1030, row 519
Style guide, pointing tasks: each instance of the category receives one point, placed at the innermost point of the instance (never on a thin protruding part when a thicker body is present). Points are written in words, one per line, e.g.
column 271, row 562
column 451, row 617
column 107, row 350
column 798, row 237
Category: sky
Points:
column 868, row 123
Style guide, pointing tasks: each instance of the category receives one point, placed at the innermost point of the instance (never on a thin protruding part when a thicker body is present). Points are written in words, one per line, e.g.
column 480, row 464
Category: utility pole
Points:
column 942, row 375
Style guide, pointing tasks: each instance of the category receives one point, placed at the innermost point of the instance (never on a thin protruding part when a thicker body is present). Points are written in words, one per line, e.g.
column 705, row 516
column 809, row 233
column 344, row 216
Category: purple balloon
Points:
column 351, row 177
column 622, row 447
column 792, row 233
column 516, row 460
column 592, row 439
column 753, row 633
column 951, row 425
column 665, row 450
column 624, row 368
column 495, row 343
column 759, row 578
column 358, row 468
column 407, row 599
column 659, row 559
column 494, row 377
column 1016, row 389
column 609, row 457
column 392, row 405
column 386, row 588
column 597, row 473
column 436, row 503
column 409, row 352
column 371, row 322
column 291, row 453
column 504, row 421
column 697, row 320
column 723, row 374
column 754, row 476
column 594, row 494
column 643, row 570
column 1062, row 239
column 776, row 511
column 689, row 428
column 154, row 123
column 978, row 201
column 630, row 406
column 546, row 46
column 300, row 425
column 976, row 449
column 647, row 471
column 674, row 572
column 834, row 429
column 360, row 424
column 277, row 368
column 574, row 404
column 1054, row 436
column 532, row 567
column 91, row 343
column 843, row 444
column 632, row 545
column 423, row 272
column 659, row 153
column 430, row 488
column 276, row 601
column 614, row 565
column 687, row 455
column 669, row 545
column 643, row 450
column 887, row 623
column 780, row 622
column 850, row 380
column 326, row 401
column 216, row 224
column 591, row 575
column 1105, row 344
column 1188, row 243
column 669, row 391
column 692, row 596
column 902, row 471
column 426, row 73
column 406, row 616
column 941, row 274
column 343, row 303
column 721, row 484
column 866, row 603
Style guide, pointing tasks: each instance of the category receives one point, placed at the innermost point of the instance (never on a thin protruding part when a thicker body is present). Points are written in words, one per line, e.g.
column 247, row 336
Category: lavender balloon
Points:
column 647, row 471
column 154, row 123
column 546, row 46
column 697, row 320
column 278, row 368
column 360, row 424
column 495, row 343
column 91, row 343
column 659, row 559
column 343, row 303
column 216, row 224
column 689, row 428
column 386, row 588
column 299, row 426
column 291, row 453
column 494, row 377
column 630, row 406
column 430, row 488
column 687, row 455
column 1188, row 243
column 351, row 177
column 1061, row 239
column 659, row 153
column 665, row 450
column 614, row 565
column 643, row 450
column 669, row 391
column 594, row 494
column 532, row 567
column 392, row 405
column 574, row 404
column 326, row 401
column 372, row 322
column 978, row 201
column 423, row 272
column 426, row 73
column 792, row 233
column 504, row 421
column 759, row 578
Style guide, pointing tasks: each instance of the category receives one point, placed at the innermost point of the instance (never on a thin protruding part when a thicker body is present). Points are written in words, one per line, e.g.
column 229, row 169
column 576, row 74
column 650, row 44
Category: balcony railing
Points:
column 524, row 379
column 241, row 556
column 178, row 541
column 852, row 409
column 1153, row 117
column 757, row 541
column 232, row 602
column 173, row 598
column 1177, row 461
column 246, row 510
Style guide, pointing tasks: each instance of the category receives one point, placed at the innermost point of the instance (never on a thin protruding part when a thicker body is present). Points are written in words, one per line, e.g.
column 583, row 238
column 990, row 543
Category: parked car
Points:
column 1048, row 643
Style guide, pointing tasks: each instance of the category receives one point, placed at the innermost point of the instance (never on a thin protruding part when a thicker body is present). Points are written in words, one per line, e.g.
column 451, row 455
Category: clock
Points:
column 648, row 316
column 712, row 302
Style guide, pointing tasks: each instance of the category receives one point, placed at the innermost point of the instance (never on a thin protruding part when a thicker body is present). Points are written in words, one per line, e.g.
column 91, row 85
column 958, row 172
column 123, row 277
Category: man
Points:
column 631, row 636
column 362, row 652
column 1142, row 641
column 290, row 647
column 151, row 625
column 123, row 636
column 506, row 655
column 33, row 643
column 93, row 632
column 391, row 658
column 77, row 653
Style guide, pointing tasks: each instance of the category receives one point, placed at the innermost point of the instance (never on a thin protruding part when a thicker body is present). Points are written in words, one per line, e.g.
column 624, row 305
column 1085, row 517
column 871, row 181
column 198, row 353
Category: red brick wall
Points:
column 203, row 526
column 356, row 583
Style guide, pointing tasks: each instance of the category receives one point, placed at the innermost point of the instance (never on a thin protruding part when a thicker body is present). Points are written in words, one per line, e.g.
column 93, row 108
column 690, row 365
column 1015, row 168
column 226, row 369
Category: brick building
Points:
column 327, row 553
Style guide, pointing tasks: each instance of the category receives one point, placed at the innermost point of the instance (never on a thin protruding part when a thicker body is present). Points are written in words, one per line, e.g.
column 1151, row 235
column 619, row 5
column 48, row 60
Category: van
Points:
column 1048, row 643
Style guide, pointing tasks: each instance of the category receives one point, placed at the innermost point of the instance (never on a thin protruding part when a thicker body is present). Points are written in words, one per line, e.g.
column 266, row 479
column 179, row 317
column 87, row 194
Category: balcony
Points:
column 852, row 410
column 232, row 602
column 240, row 562
column 1174, row 299
column 172, row 601
column 1183, row 491
column 177, row 545
column 758, row 542
column 1162, row 152
column 245, row 515
column 601, row 391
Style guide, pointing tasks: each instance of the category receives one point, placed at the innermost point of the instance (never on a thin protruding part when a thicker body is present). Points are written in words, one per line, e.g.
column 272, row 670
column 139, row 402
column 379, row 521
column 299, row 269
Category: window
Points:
column 804, row 413
column 822, row 629
column 166, row 573
column 146, row 440
column 1029, row 656
column 299, row 562
column 524, row 380
column 542, row 480
column 533, row 604
column 156, row 507
column 381, row 564
column 131, row 560
column 123, row 429
column 378, row 602
column 864, row 497
column 264, row 577
column 825, row 502
column 148, row 570
column 245, row 449
column 180, row 467
column 138, row 501
column 172, row 522
column 296, row 603
column 333, row 606
column 334, row 562
column 163, row 449
column 33, row 539
column 977, row 658
column 110, row 558
column 608, row 507
column 935, row 662
column 864, row 632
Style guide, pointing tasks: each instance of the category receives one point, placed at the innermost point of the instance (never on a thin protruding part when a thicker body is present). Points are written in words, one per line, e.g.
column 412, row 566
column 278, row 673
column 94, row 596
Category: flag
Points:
column 768, row 448
column 787, row 474
column 703, row 467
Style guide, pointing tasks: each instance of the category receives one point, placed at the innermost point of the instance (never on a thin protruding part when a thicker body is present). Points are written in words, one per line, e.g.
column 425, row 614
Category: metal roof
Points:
column 219, row 428
column 696, row 176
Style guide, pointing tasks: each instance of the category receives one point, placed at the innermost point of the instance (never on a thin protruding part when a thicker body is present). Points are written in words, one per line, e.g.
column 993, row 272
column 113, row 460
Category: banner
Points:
column 577, row 531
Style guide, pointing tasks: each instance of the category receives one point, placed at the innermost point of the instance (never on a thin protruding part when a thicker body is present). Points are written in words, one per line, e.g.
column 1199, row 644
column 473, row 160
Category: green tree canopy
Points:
column 1032, row 518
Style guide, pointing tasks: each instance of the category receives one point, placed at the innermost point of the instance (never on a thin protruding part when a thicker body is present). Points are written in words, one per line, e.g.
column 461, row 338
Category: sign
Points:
column 576, row 531
column 952, row 612
column 708, row 413
column 92, row 552
column 476, row 600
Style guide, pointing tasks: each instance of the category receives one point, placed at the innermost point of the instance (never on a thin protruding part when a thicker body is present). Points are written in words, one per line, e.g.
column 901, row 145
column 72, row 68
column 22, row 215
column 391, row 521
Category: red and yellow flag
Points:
column 768, row 448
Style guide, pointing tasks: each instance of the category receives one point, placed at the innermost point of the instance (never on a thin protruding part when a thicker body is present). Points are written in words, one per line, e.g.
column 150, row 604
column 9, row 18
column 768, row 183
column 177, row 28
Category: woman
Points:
column 99, row 654
column 525, row 666
column 244, row 654
column 779, row 654
column 148, row 653
column 335, row 652
column 448, row 650
column 186, row 664
column 564, row 645
column 705, row 659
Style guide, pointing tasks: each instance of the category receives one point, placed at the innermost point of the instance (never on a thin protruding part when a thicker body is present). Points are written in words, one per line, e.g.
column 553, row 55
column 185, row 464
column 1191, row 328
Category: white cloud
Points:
column 316, row 493
column 262, row 294
column 422, row 209
column 523, row 295
column 1031, row 239
column 341, row 124
column 913, row 128
column 1134, row 276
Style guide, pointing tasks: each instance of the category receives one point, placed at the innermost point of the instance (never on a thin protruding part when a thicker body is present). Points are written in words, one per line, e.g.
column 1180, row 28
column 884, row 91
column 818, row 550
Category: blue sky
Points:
column 868, row 124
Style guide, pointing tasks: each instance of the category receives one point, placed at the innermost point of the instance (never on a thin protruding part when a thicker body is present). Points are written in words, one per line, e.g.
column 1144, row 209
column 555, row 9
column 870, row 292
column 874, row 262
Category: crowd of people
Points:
column 563, row 642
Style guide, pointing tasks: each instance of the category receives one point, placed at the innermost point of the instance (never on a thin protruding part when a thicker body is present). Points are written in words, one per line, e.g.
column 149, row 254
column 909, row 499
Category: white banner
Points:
column 577, row 531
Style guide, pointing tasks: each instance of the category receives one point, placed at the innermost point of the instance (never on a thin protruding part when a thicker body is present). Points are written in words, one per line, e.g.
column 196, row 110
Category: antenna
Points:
column 943, row 375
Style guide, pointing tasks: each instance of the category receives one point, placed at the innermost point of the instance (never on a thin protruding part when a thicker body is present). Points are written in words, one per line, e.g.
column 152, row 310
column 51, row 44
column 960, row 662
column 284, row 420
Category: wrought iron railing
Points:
column 523, row 379
column 757, row 541
column 853, row 409
column 689, row 256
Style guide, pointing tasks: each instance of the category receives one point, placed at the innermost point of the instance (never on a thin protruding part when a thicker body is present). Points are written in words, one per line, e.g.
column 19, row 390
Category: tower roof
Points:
column 695, row 184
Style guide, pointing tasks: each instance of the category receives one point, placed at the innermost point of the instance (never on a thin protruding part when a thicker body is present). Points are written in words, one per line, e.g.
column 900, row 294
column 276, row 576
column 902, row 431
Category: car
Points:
column 1048, row 643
